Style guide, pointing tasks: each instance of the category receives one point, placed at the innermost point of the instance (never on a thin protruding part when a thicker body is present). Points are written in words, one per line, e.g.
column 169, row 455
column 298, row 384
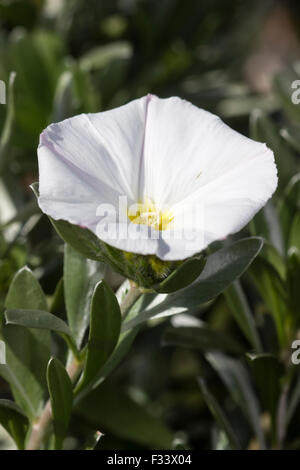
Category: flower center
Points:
column 147, row 213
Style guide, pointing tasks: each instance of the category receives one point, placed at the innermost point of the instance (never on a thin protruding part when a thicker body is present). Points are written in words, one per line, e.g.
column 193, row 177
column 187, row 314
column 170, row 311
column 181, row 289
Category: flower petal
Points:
column 235, row 189
column 89, row 160
column 175, row 152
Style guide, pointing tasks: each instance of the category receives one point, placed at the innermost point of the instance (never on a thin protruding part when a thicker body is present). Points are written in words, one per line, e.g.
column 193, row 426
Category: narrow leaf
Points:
column 222, row 268
column 14, row 421
column 61, row 396
column 267, row 373
column 104, row 331
column 266, row 224
column 273, row 291
column 6, row 135
column 101, row 56
column 236, row 378
column 289, row 206
column 202, row 338
column 263, row 129
column 240, row 309
column 183, row 276
column 294, row 238
column 80, row 278
column 219, row 414
column 36, row 319
column 27, row 350
column 124, row 343
column 292, row 280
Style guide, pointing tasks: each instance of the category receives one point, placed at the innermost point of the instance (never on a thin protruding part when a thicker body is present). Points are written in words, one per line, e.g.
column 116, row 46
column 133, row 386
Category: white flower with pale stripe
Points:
column 171, row 160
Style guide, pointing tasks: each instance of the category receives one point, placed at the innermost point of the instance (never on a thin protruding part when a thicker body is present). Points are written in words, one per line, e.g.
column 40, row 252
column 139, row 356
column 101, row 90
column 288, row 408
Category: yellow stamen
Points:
column 148, row 214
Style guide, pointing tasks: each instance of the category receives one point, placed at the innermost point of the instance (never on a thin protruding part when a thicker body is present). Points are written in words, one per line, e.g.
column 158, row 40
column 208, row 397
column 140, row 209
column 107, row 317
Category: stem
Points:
column 40, row 428
column 281, row 416
column 132, row 295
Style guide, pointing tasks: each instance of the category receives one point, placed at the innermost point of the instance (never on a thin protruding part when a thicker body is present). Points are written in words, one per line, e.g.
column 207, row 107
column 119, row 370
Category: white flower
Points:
column 192, row 179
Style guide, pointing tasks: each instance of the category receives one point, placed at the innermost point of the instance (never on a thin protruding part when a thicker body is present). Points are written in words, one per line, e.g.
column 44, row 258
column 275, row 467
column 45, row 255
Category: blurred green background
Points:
column 232, row 57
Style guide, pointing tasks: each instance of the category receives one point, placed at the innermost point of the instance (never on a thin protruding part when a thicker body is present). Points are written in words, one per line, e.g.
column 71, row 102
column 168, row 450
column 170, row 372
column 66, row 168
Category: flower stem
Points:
column 40, row 428
column 132, row 295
